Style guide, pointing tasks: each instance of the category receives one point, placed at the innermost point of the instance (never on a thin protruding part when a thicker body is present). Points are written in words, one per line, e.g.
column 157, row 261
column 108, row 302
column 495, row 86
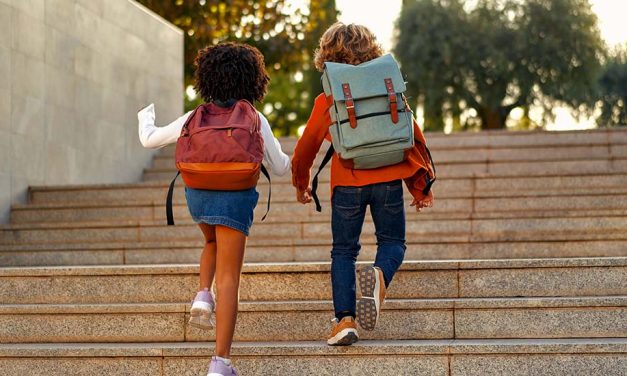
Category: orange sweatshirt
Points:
column 413, row 170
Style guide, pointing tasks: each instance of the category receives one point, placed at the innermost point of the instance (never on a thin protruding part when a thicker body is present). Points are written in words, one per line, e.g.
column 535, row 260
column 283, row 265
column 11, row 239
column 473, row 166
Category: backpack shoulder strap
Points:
column 265, row 173
column 168, row 201
column 314, row 183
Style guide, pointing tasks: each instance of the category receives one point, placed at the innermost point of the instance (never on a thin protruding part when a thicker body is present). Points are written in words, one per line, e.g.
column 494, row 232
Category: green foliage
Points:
column 613, row 88
column 285, row 34
column 498, row 55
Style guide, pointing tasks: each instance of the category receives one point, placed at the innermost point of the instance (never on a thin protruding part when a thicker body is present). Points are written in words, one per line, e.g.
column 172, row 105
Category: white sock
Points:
column 226, row 361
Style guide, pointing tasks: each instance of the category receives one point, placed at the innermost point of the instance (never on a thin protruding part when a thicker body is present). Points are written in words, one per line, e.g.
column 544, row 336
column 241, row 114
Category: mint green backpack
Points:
column 372, row 125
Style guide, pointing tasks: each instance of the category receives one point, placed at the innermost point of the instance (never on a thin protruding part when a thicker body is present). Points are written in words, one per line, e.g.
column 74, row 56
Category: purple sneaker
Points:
column 219, row 368
column 202, row 310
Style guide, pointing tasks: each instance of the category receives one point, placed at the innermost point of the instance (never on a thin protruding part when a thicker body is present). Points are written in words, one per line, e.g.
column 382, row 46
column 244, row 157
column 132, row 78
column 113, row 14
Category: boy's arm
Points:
column 419, row 184
column 309, row 144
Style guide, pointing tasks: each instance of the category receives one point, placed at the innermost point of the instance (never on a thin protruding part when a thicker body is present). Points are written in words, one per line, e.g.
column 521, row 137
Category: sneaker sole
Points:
column 344, row 338
column 367, row 307
column 201, row 322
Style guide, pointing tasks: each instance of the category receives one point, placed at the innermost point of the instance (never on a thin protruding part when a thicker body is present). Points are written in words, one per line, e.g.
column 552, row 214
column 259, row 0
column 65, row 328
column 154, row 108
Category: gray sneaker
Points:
column 219, row 368
column 202, row 310
column 372, row 288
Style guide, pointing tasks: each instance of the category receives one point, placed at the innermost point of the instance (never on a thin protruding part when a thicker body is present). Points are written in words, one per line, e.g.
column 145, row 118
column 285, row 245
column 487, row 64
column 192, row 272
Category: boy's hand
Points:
column 426, row 202
column 304, row 197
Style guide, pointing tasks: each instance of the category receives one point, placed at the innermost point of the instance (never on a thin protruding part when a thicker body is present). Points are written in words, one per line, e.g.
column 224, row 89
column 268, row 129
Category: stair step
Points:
column 256, row 251
column 496, row 207
column 462, row 187
column 586, row 356
column 311, row 281
column 257, row 321
column 436, row 230
column 498, row 140
column 489, row 155
column 492, row 169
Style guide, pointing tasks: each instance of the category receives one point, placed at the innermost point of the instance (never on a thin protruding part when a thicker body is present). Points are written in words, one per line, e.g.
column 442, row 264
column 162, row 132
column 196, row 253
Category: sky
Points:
column 380, row 19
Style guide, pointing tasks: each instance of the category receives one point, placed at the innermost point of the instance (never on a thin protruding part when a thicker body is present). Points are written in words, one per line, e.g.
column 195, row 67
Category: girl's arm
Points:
column 154, row 137
column 276, row 160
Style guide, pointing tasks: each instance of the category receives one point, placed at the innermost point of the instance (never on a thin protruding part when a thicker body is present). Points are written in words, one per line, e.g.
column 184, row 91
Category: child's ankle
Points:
column 224, row 360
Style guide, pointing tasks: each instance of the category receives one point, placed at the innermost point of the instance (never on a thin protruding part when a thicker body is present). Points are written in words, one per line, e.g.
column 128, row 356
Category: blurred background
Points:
column 470, row 65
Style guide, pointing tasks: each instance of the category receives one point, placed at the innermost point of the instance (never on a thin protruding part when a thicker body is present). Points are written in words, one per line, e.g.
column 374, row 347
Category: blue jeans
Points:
column 348, row 209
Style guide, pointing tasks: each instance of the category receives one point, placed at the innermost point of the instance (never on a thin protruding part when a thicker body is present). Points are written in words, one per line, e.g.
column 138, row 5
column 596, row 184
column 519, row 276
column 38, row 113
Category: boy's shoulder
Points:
column 322, row 100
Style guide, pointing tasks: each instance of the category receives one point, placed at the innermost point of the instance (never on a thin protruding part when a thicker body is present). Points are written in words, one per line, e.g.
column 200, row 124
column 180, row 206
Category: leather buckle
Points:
column 392, row 99
column 350, row 105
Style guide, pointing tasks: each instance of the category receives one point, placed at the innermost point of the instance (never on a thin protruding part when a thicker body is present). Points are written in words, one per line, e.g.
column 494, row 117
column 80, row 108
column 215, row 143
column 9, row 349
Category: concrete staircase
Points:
column 520, row 269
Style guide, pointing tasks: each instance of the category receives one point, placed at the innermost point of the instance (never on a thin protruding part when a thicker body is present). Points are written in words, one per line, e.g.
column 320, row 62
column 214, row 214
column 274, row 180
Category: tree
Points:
column 292, row 91
column 498, row 55
column 267, row 24
column 613, row 90
column 286, row 34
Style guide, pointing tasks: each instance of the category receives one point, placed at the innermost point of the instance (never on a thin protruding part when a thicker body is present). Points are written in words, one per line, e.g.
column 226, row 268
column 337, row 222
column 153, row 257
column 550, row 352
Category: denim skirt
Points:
column 232, row 209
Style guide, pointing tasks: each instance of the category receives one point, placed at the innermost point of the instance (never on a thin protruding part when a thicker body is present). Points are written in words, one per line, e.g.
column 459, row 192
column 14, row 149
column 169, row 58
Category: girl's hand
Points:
column 304, row 197
column 426, row 202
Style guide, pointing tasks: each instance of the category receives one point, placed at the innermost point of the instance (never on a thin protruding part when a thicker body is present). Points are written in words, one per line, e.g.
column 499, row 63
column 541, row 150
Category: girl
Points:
column 224, row 73
column 354, row 190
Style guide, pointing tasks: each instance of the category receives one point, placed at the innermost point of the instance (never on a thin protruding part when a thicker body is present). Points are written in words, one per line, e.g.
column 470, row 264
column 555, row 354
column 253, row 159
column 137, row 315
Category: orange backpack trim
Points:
column 220, row 176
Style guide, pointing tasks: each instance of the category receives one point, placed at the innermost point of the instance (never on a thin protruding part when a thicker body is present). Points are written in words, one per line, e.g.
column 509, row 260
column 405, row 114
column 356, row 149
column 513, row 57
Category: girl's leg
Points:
column 231, row 245
column 208, row 257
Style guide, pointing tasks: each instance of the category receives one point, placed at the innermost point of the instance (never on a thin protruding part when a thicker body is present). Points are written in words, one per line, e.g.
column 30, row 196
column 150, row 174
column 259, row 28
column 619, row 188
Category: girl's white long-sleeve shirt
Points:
column 155, row 137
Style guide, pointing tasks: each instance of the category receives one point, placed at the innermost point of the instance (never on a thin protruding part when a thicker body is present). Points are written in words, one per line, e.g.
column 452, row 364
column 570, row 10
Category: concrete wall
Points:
column 73, row 74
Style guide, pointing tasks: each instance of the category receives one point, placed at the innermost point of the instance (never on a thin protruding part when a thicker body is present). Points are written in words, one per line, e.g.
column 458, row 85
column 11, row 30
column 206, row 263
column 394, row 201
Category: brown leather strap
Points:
column 392, row 98
column 350, row 105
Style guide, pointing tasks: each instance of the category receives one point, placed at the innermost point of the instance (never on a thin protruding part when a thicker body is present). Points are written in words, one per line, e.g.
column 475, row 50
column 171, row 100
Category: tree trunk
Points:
column 492, row 118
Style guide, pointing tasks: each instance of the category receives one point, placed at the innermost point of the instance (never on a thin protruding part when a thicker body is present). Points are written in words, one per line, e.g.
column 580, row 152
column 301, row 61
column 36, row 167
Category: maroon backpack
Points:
column 220, row 148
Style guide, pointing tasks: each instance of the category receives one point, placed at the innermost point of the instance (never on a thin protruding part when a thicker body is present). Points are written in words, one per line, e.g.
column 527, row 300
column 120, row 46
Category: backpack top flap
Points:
column 366, row 80
column 240, row 115
column 213, row 135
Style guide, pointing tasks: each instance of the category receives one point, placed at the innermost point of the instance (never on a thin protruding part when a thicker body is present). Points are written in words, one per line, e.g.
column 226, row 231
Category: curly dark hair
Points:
column 230, row 71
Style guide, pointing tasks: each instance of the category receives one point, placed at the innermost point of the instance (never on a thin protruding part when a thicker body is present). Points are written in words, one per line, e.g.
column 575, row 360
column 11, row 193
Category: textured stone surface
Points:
column 436, row 230
column 427, row 279
column 259, row 321
column 98, row 327
column 536, row 168
column 59, row 257
column 101, row 289
column 258, row 250
column 309, row 348
column 54, row 49
column 319, row 365
column 448, row 207
column 500, row 357
column 486, row 186
column 541, row 323
column 393, row 324
column 530, row 365
column 543, row 282
column 75, row 367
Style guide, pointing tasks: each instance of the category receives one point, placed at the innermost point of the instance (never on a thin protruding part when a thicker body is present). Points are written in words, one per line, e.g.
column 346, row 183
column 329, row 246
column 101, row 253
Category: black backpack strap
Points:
column 168, row 201
column 429, row 181
column 267, row 175
column 314, row 183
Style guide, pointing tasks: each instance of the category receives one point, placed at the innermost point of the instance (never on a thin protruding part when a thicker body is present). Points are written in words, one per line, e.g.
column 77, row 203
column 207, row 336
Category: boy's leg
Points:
column 231, row 245
column 347, row 218
column 388, row 213
column 387, row 209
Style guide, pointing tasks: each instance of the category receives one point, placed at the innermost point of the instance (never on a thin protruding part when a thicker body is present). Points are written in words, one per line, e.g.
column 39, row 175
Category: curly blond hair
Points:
column 348, row 44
